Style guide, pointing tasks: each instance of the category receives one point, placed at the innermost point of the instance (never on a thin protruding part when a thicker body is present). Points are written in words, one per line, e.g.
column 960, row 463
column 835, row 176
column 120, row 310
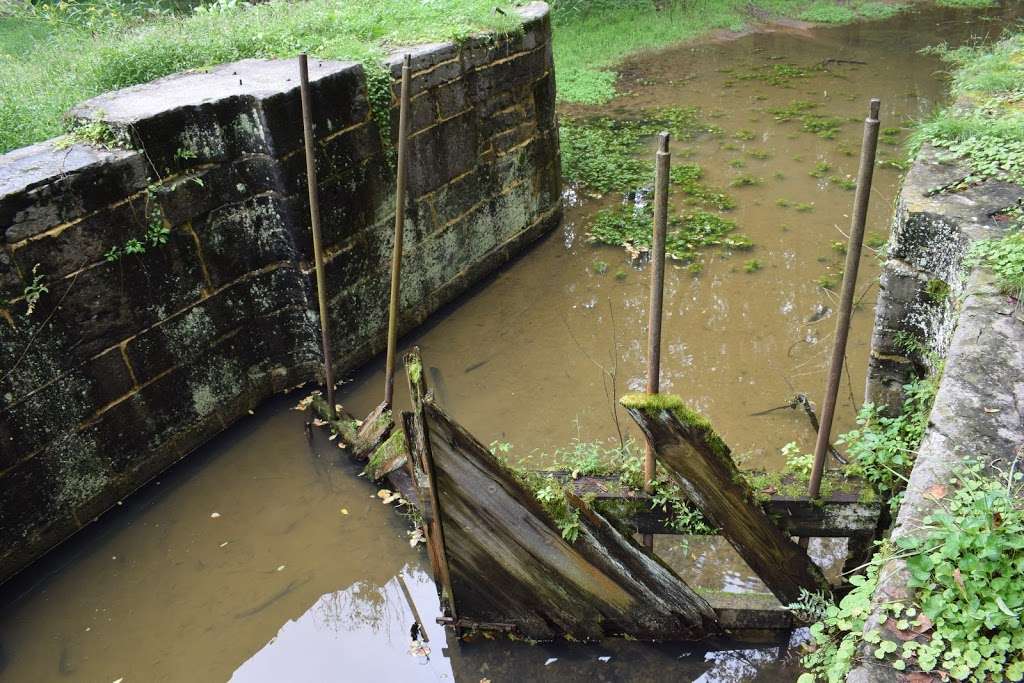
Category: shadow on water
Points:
column 264, row 557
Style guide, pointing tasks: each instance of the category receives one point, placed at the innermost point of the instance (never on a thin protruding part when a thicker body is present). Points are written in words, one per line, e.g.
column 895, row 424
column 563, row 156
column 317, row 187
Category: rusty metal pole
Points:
column 396, row 256
column 663, row 160
column 314, row 220
column 857, row 222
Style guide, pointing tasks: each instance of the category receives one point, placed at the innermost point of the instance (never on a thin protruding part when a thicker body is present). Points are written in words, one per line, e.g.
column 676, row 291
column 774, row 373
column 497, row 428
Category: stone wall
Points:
column 979, row 407
column 177, row 266
column 925, row 276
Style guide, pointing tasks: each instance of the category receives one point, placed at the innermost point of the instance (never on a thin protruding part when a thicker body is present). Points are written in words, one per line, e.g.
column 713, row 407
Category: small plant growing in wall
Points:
column 34, row 290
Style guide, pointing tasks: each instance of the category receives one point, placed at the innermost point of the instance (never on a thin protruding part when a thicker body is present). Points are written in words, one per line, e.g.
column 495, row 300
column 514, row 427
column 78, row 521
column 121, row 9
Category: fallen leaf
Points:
column 317, row 422
column 344, row 511
column 333, row 436
column 959, row 581
column 383, row 493
column 991, row 410
column 922, row 624
column 936, row 492
column 252, row 412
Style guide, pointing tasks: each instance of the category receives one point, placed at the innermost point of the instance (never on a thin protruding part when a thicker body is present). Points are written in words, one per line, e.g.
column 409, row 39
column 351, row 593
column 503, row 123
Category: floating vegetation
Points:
column 827, row 281
column 759, row 154
column 688, row 176
column 801, row 110
column 745, row 135
column 890, row 136
column 632, row 228
column 599, row 267
column 894, row 164
column 795, row 110
column 784, row 203
column 737, row 163
column 820, row 169
column 875, row 241
column 600, row 153
column 826, row 127
column 804, row 207
column 745, row 180
column 775, row 74
column 848, row 184
column 752, row 266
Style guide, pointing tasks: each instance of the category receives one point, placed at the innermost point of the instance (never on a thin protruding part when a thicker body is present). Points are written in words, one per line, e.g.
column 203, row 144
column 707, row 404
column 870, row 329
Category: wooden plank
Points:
column 359, row 438
column 509, row 563
column 422, row 470
column 839, row 515
column 702, row 464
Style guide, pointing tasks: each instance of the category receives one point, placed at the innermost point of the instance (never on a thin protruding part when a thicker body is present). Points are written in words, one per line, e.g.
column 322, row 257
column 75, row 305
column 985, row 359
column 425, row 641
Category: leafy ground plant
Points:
column 1005, row 258
column 963, row 621
column 883, row 449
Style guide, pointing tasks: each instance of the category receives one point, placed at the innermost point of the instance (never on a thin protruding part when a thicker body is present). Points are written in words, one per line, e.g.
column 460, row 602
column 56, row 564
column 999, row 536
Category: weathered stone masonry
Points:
column 126, row 365
column 979, row 407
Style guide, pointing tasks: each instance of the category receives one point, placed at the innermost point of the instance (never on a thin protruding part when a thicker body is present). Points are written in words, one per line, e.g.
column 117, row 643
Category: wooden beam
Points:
column 701, row 462
column 840, row 515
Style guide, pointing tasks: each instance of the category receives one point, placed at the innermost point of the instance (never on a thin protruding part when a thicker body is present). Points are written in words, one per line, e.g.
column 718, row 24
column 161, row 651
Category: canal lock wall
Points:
column 934, row 305
column 177, row 263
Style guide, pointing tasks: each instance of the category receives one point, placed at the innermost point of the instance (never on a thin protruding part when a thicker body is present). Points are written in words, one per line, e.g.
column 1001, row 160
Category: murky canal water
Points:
column 262, row 559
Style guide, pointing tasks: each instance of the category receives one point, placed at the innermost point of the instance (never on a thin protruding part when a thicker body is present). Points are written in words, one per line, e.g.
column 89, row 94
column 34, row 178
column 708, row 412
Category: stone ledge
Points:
column 979, row 408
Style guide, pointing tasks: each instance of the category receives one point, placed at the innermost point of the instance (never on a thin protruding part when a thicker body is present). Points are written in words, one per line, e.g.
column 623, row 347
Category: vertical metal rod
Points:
column 396, row 256
column 663, row 160
column 857, row 222
column 314, row 220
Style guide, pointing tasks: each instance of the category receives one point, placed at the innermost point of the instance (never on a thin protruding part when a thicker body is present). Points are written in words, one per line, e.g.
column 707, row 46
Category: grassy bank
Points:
column 72, row 56
column 53, row 56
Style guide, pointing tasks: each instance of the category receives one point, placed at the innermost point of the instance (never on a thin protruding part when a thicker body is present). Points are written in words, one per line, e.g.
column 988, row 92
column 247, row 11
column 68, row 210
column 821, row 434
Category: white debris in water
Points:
column 604, row 659
column 214, row 515
column 551, row 660
column 223, row 544
column 281, row 568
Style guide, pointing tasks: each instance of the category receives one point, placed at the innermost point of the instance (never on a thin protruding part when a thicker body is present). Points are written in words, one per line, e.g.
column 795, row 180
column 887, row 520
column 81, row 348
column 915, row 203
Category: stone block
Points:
column 239, row 238
column 42, row 187
column 110, row 302
column 250, row 106
column 61, row 252
column 441, row 153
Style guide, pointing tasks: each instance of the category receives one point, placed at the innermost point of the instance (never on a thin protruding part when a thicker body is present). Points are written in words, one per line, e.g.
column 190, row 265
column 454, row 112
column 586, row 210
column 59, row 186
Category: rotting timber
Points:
column 501, row 563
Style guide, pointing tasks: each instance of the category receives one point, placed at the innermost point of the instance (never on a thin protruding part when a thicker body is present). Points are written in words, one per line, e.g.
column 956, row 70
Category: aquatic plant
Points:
column 632, row 228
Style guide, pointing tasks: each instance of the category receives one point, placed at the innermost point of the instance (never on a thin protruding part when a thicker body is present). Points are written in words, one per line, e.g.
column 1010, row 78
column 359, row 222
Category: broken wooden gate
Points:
column 501, row 562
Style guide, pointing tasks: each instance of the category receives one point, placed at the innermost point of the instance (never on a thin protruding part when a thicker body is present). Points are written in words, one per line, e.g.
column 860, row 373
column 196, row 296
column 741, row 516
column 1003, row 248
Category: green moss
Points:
column 415, row 370
column 386, row 452
column 654, row 403
column 937, row 291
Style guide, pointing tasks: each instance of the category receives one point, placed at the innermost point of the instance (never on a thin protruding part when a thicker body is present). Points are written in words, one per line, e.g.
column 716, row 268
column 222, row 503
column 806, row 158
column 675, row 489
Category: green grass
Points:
column 989, row 132
column 81, row 58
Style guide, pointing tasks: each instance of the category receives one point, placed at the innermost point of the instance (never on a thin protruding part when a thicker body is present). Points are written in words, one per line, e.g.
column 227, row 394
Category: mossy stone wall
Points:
column 127, row 364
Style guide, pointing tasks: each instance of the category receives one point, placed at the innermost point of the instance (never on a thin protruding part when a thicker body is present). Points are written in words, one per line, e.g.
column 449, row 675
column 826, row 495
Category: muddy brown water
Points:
column 265, row 559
